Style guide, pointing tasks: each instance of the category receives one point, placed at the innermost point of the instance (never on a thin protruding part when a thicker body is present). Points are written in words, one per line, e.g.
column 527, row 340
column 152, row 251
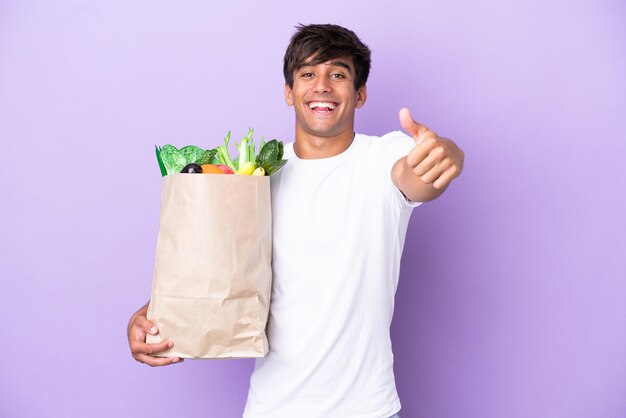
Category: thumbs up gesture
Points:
column 435, row 161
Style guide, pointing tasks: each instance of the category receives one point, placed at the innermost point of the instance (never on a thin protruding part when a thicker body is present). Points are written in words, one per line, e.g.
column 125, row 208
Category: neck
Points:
column 310, row 147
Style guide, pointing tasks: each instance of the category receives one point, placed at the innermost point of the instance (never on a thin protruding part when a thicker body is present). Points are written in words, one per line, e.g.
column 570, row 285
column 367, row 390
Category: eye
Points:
column 306, row 75
column 337, row 76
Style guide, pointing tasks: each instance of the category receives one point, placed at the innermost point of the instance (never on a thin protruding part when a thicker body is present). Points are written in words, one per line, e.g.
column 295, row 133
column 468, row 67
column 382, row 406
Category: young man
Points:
column 341, row 208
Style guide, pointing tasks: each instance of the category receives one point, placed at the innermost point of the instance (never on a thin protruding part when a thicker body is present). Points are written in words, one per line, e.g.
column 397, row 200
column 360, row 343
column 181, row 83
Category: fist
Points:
column 138, row 327
column 436, row 161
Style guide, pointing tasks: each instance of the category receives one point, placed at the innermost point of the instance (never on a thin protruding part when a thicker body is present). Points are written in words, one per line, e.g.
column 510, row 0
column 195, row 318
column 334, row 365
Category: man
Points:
column 340, row 212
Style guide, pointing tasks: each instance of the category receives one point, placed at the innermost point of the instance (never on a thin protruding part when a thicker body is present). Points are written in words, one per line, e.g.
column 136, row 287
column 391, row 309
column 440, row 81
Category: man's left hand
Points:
column 435, row 160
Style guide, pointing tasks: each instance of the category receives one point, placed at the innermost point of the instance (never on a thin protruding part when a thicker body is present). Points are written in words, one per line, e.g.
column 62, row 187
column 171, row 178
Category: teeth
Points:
column 329, row 105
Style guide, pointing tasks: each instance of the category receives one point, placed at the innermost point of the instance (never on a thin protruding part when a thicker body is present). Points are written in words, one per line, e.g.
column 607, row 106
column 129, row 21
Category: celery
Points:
column 222, row 153
column 251, row 156
column 244, row 148
column 270, row 157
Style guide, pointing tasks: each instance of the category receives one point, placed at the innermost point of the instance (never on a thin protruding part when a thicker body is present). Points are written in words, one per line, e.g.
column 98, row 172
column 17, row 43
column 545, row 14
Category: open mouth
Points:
column 322, row 107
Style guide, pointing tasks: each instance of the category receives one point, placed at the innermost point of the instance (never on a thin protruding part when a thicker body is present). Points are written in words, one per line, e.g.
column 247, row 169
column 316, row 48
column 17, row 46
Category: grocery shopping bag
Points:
column 212, row 276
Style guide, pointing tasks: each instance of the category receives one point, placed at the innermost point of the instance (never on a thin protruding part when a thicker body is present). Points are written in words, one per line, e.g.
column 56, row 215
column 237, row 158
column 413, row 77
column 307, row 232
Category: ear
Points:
column 288, row 95
column 361, row 96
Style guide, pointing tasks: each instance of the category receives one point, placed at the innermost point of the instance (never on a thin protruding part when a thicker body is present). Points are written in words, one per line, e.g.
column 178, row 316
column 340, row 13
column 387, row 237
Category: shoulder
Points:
column 394, row 137
column 394, row 144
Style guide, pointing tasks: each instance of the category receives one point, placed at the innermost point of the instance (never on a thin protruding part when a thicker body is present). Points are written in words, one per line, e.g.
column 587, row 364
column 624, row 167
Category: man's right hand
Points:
column 138, row 327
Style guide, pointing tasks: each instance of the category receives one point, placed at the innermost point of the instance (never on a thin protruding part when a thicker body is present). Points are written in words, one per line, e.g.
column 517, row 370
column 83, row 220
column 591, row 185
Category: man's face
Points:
column 324, row 98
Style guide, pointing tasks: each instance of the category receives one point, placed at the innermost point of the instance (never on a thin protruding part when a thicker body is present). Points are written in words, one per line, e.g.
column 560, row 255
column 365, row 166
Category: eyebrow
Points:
column 336, row 63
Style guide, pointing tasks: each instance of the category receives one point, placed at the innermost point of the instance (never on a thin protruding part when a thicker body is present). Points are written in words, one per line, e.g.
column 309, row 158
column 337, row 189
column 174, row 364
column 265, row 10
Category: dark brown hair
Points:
column 324, row 43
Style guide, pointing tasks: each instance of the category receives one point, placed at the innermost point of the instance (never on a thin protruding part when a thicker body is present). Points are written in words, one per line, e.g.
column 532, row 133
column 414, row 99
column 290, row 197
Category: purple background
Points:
column 512, row 301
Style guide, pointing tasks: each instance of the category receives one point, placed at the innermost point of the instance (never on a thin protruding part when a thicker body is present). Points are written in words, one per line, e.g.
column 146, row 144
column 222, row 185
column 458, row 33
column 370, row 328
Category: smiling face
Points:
column 324, row 99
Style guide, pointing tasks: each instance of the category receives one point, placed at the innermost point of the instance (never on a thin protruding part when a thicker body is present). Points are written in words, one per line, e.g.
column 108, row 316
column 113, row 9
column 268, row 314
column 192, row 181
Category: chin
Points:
column 323, row 133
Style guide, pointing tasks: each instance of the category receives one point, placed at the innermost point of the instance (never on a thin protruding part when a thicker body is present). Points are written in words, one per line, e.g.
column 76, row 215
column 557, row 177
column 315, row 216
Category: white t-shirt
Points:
column 339, row 225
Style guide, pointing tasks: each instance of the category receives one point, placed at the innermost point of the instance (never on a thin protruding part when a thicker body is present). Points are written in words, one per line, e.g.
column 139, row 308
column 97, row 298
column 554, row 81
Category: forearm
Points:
column 411, row 184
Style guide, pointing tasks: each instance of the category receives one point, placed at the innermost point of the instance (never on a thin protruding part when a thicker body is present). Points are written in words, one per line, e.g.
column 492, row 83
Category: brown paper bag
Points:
column 212, row 276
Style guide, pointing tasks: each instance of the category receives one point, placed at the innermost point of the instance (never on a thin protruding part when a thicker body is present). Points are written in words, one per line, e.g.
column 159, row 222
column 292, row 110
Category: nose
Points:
column 321, row 85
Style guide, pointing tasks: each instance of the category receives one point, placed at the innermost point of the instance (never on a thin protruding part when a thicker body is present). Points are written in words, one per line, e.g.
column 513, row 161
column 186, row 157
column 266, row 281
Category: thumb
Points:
column 408, row 124
column 147, row 326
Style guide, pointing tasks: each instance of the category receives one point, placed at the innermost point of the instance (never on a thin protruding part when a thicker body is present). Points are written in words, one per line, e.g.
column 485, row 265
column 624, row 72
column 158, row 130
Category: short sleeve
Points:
column 391, row 147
